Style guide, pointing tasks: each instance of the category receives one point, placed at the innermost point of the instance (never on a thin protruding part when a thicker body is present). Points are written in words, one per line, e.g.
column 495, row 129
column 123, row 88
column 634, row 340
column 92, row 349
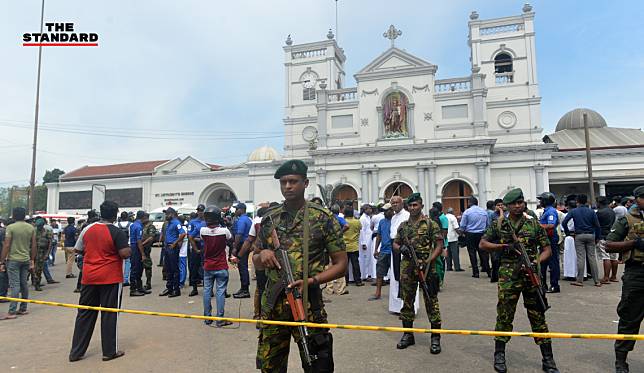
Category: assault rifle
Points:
column 531, row 272
column 430, row 289
column 294, row 299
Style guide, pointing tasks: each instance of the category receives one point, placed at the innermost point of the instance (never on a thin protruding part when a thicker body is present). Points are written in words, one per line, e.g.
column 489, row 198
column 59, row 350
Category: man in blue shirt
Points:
column 474, row 223
column 136, row 259
column 549, row 221
column 383, row 247
column 196, row 250
column 174, row 235
column 70, row 241
column 587, row 233
column 241, row 229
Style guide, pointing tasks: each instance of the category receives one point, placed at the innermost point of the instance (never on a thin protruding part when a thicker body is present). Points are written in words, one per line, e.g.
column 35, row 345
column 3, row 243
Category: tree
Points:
column 52, row 176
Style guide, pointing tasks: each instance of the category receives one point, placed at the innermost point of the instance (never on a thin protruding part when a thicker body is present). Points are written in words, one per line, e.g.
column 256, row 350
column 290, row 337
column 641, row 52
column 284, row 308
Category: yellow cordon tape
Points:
column 625, row 337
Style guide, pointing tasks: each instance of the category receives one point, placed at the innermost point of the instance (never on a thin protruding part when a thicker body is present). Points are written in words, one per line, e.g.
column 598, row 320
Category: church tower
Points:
column 503, row 51
column 309, row 67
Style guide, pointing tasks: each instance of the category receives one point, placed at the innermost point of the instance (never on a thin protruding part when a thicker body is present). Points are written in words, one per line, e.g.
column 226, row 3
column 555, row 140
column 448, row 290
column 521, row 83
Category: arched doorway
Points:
column 455, row 194
column 345, row 194
column 397, row 189
column 220, row 195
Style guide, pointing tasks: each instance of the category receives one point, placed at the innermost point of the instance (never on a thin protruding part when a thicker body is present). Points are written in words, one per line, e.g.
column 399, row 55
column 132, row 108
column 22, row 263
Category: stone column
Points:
column 321, row 174
column 322, row 111
column 375, row 192
column 251, row 188
column 420, row 174
column 431, row 183
column 365, row 186
column 481, row 182
column 602, row 188
column 538, row 178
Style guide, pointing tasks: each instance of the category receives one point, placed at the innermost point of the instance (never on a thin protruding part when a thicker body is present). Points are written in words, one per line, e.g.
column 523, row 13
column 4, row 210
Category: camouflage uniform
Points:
column 149, row 230
column 422, row 236
column 43, row 241
column 512, row 281
column 631, row 305
column 325, row 239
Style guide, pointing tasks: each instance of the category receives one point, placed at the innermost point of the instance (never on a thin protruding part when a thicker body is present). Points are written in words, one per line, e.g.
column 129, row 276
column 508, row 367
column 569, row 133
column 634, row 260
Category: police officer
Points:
column 174, row 235
column 512, row 282
column 549, row 221
column 627, row 237
column 196, row 249
column 425, row 237
column 147, row 239
column 136, row 260
column 288, row 221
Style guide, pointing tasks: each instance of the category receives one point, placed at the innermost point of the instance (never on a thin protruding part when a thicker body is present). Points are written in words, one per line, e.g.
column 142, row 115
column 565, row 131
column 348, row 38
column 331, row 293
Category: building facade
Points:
column 401, row 128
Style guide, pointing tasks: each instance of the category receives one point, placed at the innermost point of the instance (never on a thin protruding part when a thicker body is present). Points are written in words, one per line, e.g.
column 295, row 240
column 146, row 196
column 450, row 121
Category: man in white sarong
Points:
column 366, row 259
column 401, row 215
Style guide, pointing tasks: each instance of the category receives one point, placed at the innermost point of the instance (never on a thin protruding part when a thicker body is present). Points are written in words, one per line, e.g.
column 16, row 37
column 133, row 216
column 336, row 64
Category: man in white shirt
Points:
column 452, row 242
column 366, row 259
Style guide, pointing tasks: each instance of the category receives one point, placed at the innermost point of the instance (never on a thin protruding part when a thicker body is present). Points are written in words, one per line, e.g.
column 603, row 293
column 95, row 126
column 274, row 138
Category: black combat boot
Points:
column 194, row 291
column 435, row 347
column 407, row 338
column 499, row 357
column 621, row 366
column 148, row 283
column 548, row 362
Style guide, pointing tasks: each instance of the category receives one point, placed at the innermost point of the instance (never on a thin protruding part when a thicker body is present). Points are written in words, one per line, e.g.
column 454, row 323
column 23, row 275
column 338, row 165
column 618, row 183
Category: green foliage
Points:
column 52, row 176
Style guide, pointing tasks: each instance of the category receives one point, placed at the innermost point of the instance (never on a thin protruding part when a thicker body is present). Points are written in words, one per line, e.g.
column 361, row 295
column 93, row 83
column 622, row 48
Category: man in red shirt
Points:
column 104, row 247
column 215, row 264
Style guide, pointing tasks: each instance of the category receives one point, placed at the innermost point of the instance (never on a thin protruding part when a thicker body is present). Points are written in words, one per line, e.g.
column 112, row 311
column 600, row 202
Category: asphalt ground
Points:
column 40, row 341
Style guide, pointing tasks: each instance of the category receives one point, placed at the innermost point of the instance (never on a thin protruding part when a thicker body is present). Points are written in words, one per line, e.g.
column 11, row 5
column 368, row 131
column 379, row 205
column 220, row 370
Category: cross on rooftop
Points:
column 392, row 33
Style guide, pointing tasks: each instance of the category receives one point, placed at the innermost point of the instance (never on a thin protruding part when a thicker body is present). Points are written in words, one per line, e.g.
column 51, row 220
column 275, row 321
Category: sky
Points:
column 205, row 78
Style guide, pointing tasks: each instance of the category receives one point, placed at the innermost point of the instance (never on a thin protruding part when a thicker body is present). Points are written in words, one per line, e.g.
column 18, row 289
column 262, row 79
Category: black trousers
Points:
column 136, row 268
column 96, row 295
column 631, row 305
column 196, row 270
column 171, row 266
column 472, row 240
column 355, row 267
column 242, row 267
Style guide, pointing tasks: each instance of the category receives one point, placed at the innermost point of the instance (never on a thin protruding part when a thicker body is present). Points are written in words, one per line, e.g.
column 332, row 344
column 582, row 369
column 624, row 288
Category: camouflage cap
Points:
column 414, row 197
column 639, row 191
column 513, row 196
column 291, row 167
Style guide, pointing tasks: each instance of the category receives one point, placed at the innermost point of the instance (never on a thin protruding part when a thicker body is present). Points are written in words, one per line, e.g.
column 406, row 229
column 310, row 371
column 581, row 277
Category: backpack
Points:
column 125, row 229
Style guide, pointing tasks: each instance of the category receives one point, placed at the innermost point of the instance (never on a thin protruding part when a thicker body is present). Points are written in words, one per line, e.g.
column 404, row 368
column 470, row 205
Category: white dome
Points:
column 574, row 120
column 263, row 154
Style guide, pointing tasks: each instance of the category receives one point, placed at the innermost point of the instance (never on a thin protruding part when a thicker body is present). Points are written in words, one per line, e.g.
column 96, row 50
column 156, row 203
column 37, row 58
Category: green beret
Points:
column 639, row 191
column 513, row 196
column 414, row 197
column 291, row 167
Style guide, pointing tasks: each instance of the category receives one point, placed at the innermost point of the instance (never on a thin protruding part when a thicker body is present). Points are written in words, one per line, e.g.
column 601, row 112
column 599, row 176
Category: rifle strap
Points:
column 305, row 259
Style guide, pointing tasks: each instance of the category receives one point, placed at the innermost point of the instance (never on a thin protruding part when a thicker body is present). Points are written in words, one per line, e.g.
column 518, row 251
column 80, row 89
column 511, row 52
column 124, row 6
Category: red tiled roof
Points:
column 113, row 170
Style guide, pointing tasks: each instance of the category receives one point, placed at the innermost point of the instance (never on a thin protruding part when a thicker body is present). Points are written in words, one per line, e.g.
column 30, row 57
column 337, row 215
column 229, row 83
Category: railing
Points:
column 452, row 85
column 501, row 29
column 308, row 54
column 504, row 78
column 341, row 95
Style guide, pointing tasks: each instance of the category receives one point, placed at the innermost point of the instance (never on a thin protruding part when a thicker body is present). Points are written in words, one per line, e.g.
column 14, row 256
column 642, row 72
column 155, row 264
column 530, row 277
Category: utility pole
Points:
column 32, row 179
column 589, row 163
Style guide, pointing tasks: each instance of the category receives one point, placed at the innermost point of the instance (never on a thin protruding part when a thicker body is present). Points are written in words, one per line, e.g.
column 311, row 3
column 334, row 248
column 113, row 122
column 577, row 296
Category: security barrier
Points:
column 626, row 337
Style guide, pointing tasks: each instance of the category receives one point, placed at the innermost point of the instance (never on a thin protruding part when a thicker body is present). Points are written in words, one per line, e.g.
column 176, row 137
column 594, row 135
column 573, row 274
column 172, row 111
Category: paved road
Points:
column 40, row 341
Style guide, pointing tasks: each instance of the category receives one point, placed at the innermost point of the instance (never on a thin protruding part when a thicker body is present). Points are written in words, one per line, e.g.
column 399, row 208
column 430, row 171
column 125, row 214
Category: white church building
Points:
column 401, row 128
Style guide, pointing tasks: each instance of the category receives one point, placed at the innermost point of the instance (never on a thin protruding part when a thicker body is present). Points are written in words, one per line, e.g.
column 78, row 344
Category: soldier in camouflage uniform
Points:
column 425, row 237
column 43, row 243
column 325, row 239
column 147, row 239
column 627, row 237
column 512, row 279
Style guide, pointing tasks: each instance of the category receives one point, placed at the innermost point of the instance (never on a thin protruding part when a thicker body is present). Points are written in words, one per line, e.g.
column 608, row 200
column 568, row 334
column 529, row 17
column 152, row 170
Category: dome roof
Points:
column 263, row 154
column 574, row 120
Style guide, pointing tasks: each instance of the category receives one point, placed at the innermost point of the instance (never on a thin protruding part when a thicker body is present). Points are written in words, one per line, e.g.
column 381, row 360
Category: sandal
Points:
column 8, row 316
column 577, row 284
column 22, row 313
column 115, row 356
column 598, row 284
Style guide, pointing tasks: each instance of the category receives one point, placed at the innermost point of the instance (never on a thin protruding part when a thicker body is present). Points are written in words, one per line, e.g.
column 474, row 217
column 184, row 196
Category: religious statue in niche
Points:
column 395, row 115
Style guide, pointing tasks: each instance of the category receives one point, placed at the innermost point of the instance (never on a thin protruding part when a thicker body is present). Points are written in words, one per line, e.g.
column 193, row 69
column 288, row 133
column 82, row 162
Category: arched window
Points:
column 503, row 69
column 345, row 195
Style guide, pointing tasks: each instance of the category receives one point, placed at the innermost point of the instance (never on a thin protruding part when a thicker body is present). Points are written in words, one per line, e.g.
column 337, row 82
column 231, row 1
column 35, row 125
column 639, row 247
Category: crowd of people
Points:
column 391, row 244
